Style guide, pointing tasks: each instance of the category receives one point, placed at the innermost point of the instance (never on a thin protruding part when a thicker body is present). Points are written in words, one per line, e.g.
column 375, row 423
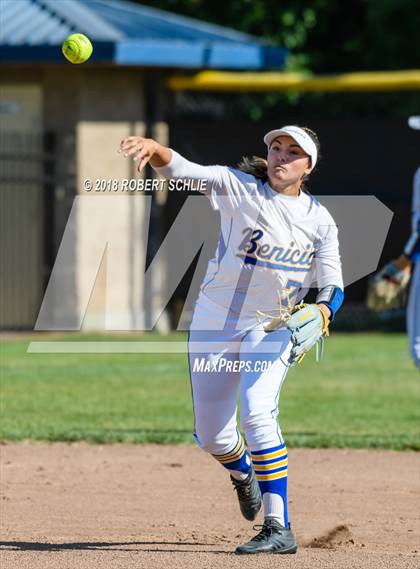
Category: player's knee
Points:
column 205, row 443
column 215, row 443
column 256, row 420
column 259, row 427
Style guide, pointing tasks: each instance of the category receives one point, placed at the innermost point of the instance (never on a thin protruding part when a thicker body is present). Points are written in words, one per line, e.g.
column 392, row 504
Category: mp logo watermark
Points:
column 115, row 270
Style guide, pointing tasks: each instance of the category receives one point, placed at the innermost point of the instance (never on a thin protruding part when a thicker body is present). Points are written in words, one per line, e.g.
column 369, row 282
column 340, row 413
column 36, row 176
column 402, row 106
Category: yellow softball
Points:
column 77, row 48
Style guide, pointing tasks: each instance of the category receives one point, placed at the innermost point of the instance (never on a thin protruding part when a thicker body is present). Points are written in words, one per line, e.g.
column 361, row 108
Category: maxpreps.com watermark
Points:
column 218, row 365
column 128, row 185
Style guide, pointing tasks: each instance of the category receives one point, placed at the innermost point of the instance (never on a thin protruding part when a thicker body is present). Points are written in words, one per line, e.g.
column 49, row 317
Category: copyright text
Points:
column 142, row 185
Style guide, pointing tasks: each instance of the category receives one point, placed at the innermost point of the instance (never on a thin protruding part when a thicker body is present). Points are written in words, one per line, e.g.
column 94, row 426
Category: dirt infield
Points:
column 122, row 506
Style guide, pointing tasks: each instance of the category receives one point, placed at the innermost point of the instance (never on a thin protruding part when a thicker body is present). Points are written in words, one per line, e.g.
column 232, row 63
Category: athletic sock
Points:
column 237, row 460
column 238, row 474
column 270, row 467
column 274, row 507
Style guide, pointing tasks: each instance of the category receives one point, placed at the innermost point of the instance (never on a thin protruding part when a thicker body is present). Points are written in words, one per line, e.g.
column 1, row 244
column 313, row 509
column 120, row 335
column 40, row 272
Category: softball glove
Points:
column 307, row 323
column 309, row 326
column 388, row 289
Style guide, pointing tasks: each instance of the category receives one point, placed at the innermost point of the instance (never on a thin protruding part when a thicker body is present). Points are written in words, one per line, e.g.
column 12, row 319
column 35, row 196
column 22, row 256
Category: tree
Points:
column 323, row 37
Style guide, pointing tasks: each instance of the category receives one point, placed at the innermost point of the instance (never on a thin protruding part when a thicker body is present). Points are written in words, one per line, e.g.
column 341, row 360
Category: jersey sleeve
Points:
column 328, row 267
column 223, row 188
column 327, row 256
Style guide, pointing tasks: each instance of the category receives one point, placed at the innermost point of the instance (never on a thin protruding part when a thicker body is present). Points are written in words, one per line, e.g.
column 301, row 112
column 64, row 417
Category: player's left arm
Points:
column 411, row 251
column 387, row 288
column 309, row 324
column 329, row 272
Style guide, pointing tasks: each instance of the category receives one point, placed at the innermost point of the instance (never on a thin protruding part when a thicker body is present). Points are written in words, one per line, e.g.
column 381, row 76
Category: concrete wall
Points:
column 90, row 109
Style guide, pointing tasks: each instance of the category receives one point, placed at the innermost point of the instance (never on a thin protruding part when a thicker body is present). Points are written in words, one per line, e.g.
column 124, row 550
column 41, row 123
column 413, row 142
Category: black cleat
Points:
column 249, row 495
column 273, row 538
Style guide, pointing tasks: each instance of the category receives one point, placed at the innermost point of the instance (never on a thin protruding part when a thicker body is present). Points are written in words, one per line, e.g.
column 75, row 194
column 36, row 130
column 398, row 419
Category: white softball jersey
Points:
column 269, row 243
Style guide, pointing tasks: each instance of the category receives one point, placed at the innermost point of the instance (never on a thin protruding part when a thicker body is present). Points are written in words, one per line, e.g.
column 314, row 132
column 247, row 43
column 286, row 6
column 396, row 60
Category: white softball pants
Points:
column 224, row 362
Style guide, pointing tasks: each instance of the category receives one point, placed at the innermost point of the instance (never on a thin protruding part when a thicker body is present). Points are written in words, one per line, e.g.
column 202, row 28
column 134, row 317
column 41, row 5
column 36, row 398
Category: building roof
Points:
column 125, row 33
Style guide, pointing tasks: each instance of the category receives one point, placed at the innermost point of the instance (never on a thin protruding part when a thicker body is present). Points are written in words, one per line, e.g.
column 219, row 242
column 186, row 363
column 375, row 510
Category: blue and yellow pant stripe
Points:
column 237, row 458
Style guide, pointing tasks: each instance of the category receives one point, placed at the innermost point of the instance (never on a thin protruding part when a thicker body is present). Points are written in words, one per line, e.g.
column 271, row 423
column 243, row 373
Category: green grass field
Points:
column 364, row 393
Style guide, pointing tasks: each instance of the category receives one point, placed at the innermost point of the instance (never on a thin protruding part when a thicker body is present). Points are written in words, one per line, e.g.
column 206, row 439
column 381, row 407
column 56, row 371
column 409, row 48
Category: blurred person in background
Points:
column 387, row 288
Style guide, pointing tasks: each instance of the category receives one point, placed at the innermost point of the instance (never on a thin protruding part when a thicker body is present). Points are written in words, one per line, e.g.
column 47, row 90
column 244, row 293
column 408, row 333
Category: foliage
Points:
column 323, row 37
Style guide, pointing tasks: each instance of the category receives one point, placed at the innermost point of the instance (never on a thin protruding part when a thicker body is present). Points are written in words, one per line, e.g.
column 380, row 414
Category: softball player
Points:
column 412, row 253
column 276, row 241
column 394, row 277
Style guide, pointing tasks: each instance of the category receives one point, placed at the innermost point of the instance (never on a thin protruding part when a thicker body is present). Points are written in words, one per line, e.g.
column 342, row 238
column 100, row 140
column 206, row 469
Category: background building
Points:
column 61, row 124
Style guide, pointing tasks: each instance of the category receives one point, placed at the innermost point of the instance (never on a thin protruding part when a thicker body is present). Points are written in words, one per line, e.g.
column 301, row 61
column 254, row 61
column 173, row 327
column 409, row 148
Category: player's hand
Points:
column 387, row 289
column 394, row 273
column 139, row 148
